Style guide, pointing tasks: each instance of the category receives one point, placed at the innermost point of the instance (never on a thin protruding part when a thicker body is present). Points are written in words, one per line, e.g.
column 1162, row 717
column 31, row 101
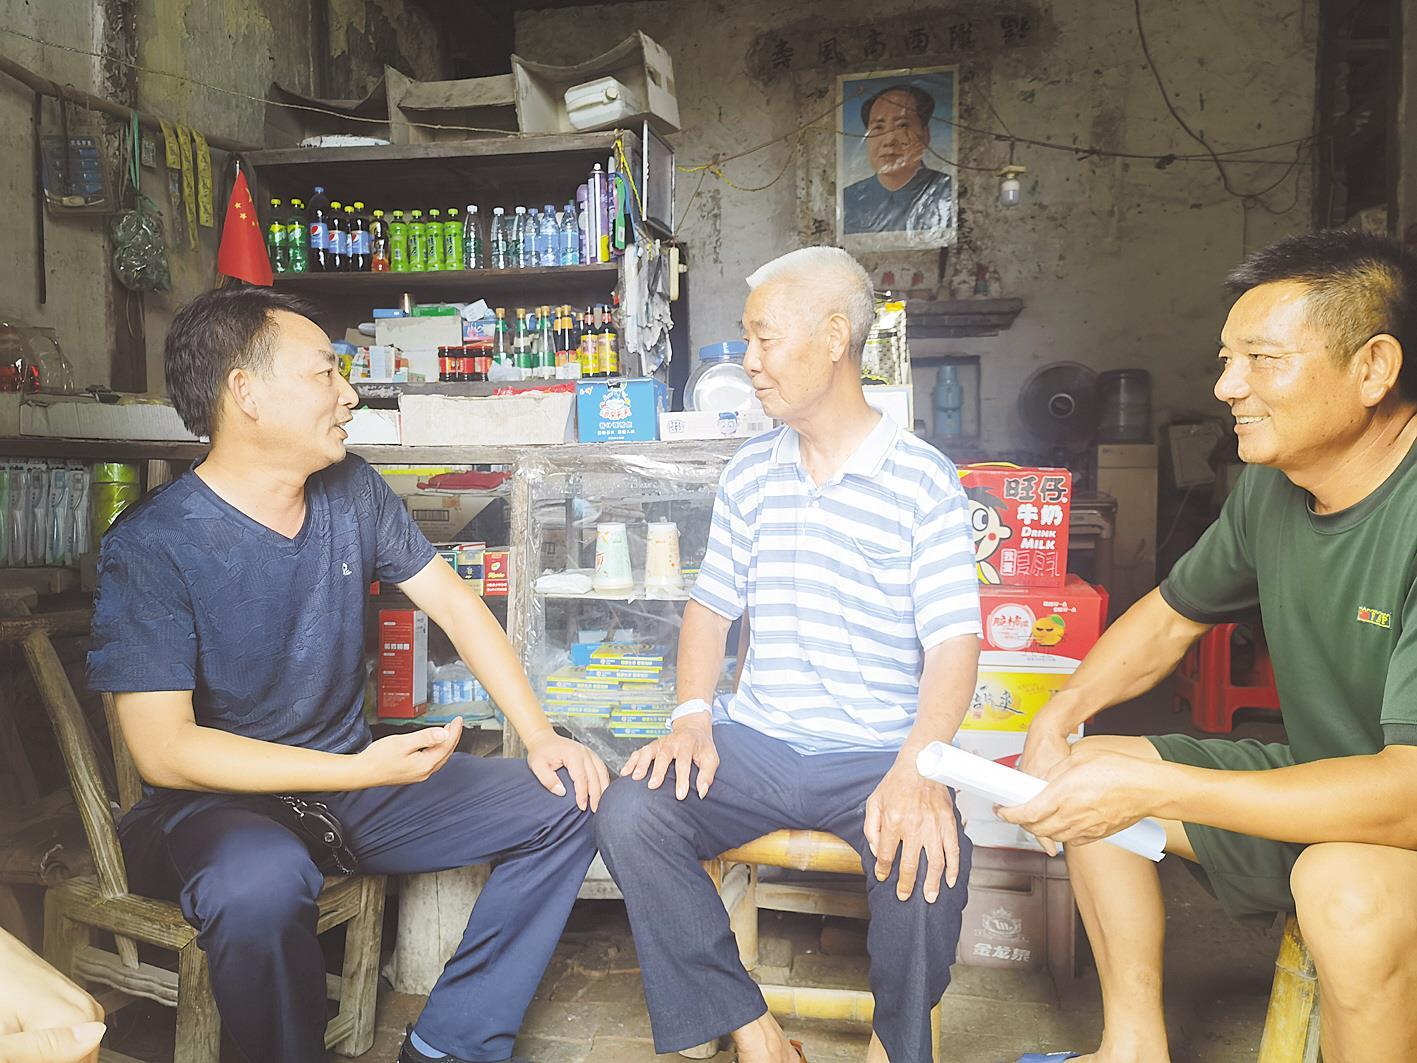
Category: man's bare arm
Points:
column 172, row 750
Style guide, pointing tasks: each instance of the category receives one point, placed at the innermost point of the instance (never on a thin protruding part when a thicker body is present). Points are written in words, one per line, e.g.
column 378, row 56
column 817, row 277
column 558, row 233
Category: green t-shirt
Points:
column 1337, row 595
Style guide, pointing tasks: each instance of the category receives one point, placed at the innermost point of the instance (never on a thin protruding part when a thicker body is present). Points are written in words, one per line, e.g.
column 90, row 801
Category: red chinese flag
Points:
column 243, row 246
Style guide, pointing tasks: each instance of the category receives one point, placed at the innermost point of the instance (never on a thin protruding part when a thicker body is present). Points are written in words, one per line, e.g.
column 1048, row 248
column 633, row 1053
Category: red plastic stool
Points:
column 1204, row 681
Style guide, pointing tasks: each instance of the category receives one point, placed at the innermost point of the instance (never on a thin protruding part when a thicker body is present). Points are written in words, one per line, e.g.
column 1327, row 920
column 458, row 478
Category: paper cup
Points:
column 612, row 559
column 662, row 557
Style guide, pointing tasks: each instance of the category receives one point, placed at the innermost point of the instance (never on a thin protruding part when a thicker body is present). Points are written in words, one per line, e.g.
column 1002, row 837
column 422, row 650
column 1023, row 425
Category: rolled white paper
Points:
column 1008, row 786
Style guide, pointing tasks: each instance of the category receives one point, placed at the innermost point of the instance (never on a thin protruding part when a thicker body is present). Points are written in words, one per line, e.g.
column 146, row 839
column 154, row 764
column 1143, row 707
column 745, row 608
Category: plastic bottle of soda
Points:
column 433, row 241
column 416, row 245
column 501, row 344
column 275, row 239
column 379, row 244
column 358, row 237
column 398, row 244
column 546, row 349
column 474, row 246
column 521, row 343
column 297, row 237
column 339, row 238
column 319, row 232
column 499, row 239
column 452, row 240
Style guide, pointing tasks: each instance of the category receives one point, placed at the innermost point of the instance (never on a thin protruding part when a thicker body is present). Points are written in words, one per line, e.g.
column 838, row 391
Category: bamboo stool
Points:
column 73, row 910
column 1291, row 1025
column 735, row 875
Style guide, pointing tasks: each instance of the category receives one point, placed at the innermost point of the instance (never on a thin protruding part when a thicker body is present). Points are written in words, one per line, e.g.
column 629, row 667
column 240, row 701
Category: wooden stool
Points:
column 1291, row 1025
column 735, row 874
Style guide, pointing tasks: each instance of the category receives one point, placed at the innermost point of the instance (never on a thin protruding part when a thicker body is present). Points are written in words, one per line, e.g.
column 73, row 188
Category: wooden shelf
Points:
column 597, row 277
column 958, row 318
column 493, row 148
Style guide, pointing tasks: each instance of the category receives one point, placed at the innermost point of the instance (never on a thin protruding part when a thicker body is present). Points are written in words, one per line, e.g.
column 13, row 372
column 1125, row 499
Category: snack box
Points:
column 1013, row 685
column 1061, row 621
column 1019, row 519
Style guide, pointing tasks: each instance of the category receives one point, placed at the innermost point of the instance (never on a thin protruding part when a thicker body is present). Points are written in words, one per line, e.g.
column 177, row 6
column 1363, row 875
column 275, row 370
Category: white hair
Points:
column 833, row 283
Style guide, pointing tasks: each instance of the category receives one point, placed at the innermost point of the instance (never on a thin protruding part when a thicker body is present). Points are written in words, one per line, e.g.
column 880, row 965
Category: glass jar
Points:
column 719, row 383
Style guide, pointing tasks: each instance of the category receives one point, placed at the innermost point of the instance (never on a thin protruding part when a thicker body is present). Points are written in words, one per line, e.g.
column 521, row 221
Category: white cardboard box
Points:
column 373, row 427
column 458, row 420
column 419, row 333
column 638, row 62
column 896, row 401
column 706, row 424
column 82, row 417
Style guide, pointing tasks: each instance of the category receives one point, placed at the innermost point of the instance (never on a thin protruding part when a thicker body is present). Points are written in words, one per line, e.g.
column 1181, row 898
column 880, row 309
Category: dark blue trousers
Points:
column 695, row 986
column 248, row 884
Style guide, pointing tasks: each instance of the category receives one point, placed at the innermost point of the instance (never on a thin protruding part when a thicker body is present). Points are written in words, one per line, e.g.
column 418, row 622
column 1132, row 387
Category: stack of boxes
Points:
column 623, row 685
column 1039, row 623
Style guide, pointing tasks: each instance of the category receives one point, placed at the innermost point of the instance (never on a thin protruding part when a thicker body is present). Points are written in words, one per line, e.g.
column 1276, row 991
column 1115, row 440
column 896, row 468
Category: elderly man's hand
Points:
column 1096, row 794
column 910, row 813
column 690, row 744
column 44, row 1017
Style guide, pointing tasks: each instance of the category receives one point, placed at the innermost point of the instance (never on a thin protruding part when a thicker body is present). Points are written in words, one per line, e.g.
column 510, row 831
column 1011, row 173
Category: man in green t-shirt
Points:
column 1321, row 535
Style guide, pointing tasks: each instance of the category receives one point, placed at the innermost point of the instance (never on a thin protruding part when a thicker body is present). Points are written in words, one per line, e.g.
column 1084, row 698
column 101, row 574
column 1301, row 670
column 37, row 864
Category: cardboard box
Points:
column 403, row 663
column 442, row 516
column 497, row 565
column 1062, row 622
column 896, row 401
column 498, row 420
column 705, row 424
column 1021, row 914
column 1020, row 521
column 637, row 62
column 1013, row 685
column 620, row 411
column 419, row 333
column 82, row 417
column 374, row 426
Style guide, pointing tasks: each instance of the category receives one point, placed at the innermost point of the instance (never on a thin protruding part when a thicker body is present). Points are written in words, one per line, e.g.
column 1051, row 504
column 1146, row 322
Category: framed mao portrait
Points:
column 896, row 150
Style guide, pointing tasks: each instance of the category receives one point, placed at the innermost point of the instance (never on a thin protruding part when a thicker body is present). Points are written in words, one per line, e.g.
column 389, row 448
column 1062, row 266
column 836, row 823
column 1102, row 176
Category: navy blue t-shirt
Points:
column 267, row 632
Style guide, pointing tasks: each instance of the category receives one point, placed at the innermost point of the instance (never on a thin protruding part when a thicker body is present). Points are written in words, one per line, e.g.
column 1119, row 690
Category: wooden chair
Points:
column 73, row 910
column 735, row 874
column 1291, row 1025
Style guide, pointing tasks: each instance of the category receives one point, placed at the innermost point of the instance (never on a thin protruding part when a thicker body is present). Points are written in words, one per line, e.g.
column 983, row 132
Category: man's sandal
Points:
column 797, row 1047
column 1048, row 1057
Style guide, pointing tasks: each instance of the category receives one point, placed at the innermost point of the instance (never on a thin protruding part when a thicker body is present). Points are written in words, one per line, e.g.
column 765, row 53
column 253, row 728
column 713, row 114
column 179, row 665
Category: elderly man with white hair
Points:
column 846, row 542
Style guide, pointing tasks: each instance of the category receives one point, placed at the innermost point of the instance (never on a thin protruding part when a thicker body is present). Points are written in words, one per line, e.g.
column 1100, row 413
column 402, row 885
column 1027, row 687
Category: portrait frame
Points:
column 861, row 201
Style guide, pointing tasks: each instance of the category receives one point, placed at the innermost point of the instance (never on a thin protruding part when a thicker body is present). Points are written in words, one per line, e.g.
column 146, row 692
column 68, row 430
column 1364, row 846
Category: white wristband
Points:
column 689, row 708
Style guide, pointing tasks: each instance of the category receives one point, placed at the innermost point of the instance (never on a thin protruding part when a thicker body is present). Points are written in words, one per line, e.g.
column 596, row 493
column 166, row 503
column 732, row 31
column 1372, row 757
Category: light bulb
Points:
column 1010, row 190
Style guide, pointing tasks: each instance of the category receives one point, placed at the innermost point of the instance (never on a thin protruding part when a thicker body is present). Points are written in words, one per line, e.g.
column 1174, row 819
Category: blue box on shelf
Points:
column 620, row 411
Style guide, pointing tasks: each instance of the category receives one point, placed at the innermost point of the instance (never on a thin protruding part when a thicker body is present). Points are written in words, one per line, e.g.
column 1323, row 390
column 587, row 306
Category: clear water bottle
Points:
column 531, row 240
column 474, row 245
column 500, row 253
column 548, row 240
column 570, row 251
column 516, row 238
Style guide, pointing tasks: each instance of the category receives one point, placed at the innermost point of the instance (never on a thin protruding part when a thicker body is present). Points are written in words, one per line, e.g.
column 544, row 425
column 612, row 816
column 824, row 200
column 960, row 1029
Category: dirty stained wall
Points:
column 1119, row 262
column 226, row 53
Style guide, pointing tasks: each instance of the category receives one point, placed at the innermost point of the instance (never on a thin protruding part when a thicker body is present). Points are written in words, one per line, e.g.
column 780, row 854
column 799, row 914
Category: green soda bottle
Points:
column 297, row 238
column 452, row 240
column 433, row 241
column 275, row 239
column 416, row 261
column 398, row 244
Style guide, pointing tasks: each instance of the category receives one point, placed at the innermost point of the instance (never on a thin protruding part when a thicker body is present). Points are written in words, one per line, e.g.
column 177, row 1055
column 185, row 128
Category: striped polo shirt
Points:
column 846, row 585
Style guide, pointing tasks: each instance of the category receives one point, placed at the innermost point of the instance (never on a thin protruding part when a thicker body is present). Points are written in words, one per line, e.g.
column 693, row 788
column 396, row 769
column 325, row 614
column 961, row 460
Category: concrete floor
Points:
column 590, row 1007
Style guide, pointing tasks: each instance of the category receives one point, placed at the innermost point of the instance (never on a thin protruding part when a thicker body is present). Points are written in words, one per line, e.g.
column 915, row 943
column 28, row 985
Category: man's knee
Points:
column 630, row 812
column 1352, row 917
column 263, row 898
column 1124, row 744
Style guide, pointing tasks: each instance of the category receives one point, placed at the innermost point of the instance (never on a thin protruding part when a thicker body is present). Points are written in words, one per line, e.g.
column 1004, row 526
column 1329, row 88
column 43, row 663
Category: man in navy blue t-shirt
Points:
column 229, row 625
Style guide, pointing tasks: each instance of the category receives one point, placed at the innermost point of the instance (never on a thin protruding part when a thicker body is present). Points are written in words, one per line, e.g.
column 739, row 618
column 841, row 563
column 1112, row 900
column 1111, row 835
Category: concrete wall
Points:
column 235, row 49
column 1119, row 262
